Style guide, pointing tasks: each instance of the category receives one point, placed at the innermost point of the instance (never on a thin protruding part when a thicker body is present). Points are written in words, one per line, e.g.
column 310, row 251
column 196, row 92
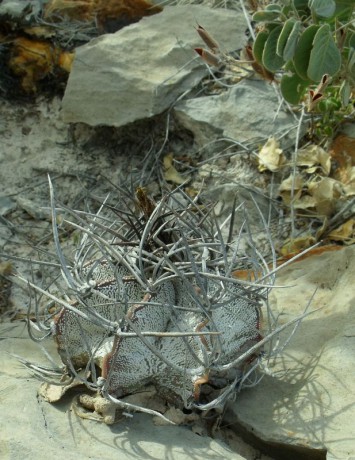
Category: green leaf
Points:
column 325, row 57
column 351, row 59
column 323, row 8
column 270, row 26
column 303, row 51
column 286, row 30
column 292, row 41
column 265, row 16
column 350, row 39
column 259, row 45
column 345, row 93
column 344, row 9
column 301, row 6
column 293, row 88
column 273, row 7
column 271, row 61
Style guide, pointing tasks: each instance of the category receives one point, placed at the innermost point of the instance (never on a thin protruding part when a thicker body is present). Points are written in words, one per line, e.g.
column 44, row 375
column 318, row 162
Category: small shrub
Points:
column 313, row 43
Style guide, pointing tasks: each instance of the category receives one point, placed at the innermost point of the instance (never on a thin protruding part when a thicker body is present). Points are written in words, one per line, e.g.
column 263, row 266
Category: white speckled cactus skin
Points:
column 152, row 300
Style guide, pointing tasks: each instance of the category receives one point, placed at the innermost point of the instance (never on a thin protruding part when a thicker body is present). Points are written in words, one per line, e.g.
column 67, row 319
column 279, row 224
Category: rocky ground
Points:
column 152, row 116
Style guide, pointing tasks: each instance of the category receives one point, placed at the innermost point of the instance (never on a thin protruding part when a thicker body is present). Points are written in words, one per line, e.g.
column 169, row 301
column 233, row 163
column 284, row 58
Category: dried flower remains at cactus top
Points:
column 150, row 299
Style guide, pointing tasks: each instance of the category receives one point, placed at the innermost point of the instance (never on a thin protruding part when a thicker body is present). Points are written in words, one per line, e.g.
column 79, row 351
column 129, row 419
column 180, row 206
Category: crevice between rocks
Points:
column 277, row 451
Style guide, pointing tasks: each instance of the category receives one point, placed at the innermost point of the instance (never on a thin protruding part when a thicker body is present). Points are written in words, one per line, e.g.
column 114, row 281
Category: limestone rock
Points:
column 244, row 112
column 141, row 70
column 306, row 405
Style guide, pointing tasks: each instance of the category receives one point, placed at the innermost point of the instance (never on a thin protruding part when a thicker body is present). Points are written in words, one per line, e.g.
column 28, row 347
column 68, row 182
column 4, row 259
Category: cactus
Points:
column 151, row 298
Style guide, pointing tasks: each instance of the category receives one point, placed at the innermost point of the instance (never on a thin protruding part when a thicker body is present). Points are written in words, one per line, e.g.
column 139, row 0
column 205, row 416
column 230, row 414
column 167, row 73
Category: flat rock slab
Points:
column 142, row 69
column 307, row 403
column 32, row 428
column 249, row 110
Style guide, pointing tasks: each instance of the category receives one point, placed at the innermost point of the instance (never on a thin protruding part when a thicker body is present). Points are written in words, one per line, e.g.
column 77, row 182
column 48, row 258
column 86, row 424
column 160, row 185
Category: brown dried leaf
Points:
column 72, row 9
column 343, row 154
column 102, row 10
column 40, row 31
column 271, row 156
column 33, row 60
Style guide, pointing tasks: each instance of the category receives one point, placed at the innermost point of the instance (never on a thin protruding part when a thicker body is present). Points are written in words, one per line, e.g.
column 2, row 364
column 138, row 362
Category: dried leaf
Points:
column 53, row 393
column 285, row 189
column 297, row 183
column 325, row 192
column 170, row 173
column 305, row 202
column 33, row 60
column 345, row 233
column 40, row 31
column 296, row 245
column 101, row 10
column 349, row 187
column 343, row 155
column 271, row 156
column 314, row 157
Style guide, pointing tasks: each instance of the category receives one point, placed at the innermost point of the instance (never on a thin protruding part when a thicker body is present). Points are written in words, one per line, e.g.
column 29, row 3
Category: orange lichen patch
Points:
column 245, row 275
column 197, row 385
column 312, row 252
column 33, row 60
column 100, row 10
column 249, row 275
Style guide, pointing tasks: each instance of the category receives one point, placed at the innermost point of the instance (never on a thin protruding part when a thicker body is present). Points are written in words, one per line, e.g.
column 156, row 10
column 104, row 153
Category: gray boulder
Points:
column 142, row 69
column 305, row 407
column 247, row 111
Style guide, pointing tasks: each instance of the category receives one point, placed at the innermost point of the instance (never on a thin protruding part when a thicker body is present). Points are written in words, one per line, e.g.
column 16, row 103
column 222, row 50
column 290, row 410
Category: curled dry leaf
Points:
column 170, row 173
column 325, row 192
column 285, row 190
column 319, row 194
column 271, row 157
column 345, row 233
column 305, row 202
column 314, row 157
column 53, row 393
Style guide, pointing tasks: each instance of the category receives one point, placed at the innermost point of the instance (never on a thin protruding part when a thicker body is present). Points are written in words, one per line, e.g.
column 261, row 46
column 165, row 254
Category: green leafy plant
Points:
column 312, row 42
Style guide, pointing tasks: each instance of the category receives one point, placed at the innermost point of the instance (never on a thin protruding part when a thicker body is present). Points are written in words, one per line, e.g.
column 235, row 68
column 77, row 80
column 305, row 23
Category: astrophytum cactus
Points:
column 151, row 298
